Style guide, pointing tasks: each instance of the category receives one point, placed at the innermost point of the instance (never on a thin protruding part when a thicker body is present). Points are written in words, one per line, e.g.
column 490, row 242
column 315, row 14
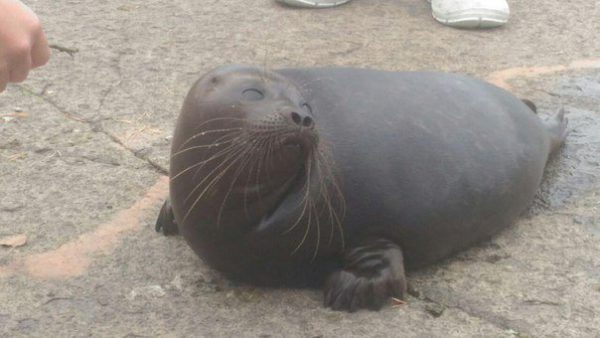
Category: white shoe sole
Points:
column 313, row 4
column 473, row 18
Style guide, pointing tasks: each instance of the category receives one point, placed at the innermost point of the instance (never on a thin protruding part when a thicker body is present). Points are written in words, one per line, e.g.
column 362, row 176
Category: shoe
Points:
column 470, row 13
column 314, row 3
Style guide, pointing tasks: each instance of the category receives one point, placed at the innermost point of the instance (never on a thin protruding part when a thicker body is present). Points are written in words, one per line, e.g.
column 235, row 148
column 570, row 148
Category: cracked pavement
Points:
column 84, row 148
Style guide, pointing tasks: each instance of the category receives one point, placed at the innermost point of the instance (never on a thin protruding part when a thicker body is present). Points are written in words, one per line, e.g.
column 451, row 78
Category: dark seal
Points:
column 341, row 177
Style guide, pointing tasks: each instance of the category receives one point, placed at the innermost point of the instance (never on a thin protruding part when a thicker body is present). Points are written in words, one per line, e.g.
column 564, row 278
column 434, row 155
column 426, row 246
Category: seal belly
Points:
column 435, row 161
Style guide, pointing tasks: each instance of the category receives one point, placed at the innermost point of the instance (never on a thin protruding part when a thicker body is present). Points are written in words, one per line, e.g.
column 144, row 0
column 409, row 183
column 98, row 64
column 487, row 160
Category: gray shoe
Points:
column 471, row 13
column 314, row 3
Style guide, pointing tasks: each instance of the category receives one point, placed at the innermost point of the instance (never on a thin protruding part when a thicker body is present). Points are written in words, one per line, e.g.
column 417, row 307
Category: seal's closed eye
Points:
column 253, row 94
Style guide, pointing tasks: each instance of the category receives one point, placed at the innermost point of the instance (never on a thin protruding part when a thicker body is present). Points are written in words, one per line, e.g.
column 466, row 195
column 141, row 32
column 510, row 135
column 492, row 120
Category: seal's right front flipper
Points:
column 166, row 220
column 373, row 273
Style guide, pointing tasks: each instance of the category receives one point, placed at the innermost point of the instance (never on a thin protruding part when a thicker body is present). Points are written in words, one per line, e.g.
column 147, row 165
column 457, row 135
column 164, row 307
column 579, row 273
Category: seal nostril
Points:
column 307, row 121
column 296, row 118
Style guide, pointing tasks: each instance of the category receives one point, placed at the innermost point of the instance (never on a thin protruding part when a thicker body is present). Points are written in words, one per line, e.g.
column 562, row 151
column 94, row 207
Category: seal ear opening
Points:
column 530, row 104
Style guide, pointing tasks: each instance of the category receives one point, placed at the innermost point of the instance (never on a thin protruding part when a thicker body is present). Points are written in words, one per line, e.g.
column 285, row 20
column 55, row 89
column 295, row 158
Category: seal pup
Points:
column 341, row 177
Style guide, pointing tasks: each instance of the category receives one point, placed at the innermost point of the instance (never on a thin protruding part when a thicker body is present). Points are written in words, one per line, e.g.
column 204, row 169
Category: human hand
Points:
column 23, row 44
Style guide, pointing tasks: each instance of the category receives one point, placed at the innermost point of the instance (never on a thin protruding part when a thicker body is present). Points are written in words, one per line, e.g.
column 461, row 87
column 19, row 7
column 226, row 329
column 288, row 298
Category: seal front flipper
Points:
column 373, row 273
column 166, row 220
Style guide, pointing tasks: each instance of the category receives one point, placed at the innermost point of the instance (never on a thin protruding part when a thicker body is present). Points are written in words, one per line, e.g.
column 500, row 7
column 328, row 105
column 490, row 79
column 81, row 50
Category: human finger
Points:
column 3, row 77
column 20, row 65
column 40, row 52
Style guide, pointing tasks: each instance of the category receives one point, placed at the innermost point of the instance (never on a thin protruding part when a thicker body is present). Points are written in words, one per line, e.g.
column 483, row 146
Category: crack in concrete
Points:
column 92, row 159
column 159, row 169
column 97, row 128
column 107, row 92
column 496, row 320
column 116, row 65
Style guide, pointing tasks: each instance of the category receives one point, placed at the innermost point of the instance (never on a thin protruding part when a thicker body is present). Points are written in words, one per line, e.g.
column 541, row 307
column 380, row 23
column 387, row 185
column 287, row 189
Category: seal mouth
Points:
column 303, row 140
column 290, row 199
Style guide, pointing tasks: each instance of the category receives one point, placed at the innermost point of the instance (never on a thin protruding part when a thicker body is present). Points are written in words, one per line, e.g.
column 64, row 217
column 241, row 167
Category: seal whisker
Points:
column 247, row 157
column 272, row 141
column 218, row 119
column 269, row 160
column 313, row 207
column 331, row 180
column 227, row 153
column 245, row 138
column 304, row 201
column 217, row 143
column 207, row 132
column 256, row 160
column 260, row 157
column 209, row 185
column 247, row 185
column 324, row 192
column 298, row 219
column 231, row 155
column 210, row 131
column 305, row 232
column 222, row 152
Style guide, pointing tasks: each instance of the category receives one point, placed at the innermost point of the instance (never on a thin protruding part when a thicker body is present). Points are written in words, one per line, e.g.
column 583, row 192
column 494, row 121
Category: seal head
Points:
column 246, row 168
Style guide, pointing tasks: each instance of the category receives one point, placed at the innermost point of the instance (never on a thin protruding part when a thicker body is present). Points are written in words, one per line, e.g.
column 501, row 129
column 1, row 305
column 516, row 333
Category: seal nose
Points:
column 301, row 119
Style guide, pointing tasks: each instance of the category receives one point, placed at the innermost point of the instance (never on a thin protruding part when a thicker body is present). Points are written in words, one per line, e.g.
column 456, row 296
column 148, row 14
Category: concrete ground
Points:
column 84, row 150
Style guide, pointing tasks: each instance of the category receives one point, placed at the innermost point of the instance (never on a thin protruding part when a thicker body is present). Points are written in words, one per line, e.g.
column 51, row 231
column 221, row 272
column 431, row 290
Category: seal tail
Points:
column 530, row 104
column 557, row 128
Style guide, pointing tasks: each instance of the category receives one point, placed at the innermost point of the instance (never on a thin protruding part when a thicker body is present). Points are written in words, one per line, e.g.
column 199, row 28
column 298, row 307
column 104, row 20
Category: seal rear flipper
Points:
column 557, row 127
column 166, row 220
column 530, row 104
column 373, row 273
